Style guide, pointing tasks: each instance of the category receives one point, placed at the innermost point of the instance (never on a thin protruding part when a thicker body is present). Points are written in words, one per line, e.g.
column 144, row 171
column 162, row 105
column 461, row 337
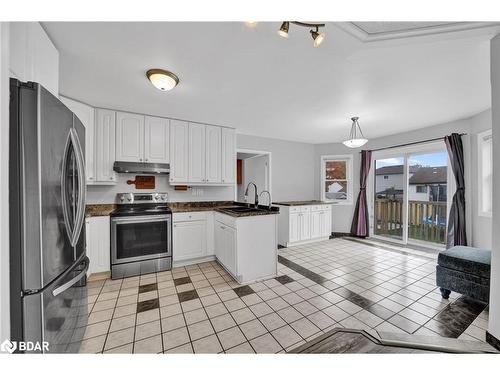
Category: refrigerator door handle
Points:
column 64, row 192
column 80, row 210
column 74, row 280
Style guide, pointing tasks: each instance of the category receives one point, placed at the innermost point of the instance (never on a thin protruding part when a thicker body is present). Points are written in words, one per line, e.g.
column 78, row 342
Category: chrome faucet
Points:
column 269, row 195
column 256, row 195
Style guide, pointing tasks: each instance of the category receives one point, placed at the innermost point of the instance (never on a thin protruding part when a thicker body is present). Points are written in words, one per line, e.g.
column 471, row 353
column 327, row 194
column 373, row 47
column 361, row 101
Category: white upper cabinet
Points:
column 129, row 137
column 86, row 114
column 32, row 55
column 156, row 140
column 213, row 151
column 179, row 151
column 196, row 158
column 105, row 146
column 228, row 156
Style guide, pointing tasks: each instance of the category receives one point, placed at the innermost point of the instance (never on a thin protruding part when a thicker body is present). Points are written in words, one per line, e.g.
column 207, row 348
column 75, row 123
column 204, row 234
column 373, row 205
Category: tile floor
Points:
column 335, row 283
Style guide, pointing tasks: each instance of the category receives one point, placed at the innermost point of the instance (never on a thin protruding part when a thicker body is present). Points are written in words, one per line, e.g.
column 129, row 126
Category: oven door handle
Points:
column 141, row 219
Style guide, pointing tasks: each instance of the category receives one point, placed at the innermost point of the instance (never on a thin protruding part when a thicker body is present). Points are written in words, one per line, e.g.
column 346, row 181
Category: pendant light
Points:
column 162, row 79
column 356, row 137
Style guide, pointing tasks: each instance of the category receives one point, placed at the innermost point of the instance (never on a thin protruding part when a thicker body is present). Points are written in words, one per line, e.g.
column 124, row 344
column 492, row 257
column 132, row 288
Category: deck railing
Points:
column 426, row 220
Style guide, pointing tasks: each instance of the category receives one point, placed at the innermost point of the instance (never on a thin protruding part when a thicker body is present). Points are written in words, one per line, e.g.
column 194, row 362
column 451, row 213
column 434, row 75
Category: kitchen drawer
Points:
column 189, row 216
column 295, row 209
column 225, row 219
column 321, row 207
column 305, row 208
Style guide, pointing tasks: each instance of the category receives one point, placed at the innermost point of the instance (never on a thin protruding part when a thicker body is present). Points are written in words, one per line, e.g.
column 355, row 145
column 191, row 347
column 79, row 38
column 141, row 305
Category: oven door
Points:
column 136, row 238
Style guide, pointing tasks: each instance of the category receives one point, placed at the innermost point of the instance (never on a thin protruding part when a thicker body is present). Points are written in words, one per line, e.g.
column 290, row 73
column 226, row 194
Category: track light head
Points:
column 283, row 31
column 318, row 38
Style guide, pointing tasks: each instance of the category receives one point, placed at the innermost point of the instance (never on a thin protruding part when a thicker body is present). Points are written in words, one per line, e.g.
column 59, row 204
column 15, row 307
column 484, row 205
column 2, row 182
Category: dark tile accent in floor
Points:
column 382, row 247
column 284, row 279
column 354, row 297
column 150, row 304
column 244, row 290
column 492, row 340
column 188, row 295
column 458, row 315
column 148, row 288
column 302, row 270
column 380, row 311
column 182, row 280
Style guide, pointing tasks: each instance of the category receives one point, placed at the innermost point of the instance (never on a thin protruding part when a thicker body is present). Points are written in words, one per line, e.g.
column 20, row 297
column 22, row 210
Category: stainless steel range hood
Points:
column 146, row 168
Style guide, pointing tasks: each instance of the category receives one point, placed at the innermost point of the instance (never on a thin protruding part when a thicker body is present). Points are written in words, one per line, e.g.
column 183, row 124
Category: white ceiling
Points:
column 261, row 84
column 387, row 27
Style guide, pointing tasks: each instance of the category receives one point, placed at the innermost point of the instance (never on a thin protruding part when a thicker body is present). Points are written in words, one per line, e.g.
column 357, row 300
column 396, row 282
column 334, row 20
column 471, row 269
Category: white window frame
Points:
column 349, row 177
column 481, row 140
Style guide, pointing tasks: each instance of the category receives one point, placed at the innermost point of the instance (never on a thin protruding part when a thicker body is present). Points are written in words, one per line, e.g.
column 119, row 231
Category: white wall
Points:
column 480, row 228
column 4, row 186
column 107, row 194
column 494, row 322
column 292, row 172
column 255, row 170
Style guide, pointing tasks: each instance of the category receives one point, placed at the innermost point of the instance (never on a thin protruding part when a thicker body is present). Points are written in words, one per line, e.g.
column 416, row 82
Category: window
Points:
column 386, row 177
column 485, row 172
column 421, row 189
column 336, row 178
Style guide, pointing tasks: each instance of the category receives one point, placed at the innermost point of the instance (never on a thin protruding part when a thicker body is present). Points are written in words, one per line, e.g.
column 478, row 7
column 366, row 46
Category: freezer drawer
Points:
column 58, row 315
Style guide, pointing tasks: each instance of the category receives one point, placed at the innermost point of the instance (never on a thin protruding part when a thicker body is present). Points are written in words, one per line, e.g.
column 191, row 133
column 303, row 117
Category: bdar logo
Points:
column 8, row 346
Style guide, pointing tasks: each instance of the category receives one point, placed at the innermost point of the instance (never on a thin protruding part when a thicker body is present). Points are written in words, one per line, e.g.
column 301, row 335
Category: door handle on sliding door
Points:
column 74, row 280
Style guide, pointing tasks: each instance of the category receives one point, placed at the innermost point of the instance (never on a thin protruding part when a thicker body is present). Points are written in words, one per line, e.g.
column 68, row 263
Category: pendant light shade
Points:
column 356, row 137
column 318, row 37
column 162, row 79
column 283, row 31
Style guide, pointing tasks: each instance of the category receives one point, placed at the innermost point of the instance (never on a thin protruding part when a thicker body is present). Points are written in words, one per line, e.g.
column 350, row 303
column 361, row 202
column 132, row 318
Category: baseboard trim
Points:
column 99, row 276
column 493, row 341
column 339, row 234
column 189, row 262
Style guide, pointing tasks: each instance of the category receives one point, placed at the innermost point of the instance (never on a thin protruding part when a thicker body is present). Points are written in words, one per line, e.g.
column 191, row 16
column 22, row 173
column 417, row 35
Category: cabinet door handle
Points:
column 222, row 227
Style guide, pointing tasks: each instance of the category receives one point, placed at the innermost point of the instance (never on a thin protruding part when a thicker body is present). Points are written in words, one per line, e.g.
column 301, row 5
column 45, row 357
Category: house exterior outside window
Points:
column 336, row 178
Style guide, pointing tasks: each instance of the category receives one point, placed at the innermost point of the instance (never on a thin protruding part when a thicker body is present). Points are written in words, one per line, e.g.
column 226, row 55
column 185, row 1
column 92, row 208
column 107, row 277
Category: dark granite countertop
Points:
column 198, row 206
column 301, row 203
column 178, row 207
column 99, row 209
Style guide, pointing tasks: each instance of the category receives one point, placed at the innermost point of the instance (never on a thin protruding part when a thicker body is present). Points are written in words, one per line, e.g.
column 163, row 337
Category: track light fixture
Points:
column 318, row 37
column 283, row 31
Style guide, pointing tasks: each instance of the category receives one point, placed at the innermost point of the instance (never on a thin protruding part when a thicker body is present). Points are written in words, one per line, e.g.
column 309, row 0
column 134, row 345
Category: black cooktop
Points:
column 137, row 209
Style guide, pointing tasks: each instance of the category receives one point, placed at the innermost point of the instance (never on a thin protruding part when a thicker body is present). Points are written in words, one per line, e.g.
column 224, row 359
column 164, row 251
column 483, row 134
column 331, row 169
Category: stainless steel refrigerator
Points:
column 48, row 263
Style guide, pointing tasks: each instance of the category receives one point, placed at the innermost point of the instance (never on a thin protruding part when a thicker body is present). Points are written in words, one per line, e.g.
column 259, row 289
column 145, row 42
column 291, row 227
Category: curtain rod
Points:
column 412, row 143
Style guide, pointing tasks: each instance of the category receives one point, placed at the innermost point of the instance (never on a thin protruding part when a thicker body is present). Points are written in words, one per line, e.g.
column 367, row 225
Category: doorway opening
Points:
column 252, row 166
column 409, row 195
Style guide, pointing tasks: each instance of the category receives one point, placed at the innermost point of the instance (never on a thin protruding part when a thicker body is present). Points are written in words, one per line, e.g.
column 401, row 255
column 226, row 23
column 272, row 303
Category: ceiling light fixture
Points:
column 283, row 31
column 162, row 79
column 356, row 137
column 318, row 38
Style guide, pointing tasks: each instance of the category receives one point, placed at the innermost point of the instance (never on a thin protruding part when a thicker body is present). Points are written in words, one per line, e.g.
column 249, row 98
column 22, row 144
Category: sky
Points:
column 431, row 160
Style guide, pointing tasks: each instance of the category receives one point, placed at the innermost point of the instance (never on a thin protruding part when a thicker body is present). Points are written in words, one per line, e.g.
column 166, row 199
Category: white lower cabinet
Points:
column 98, row 243
column 247, row 246
column 191, row 237
column 225, row 246
column 303, row 224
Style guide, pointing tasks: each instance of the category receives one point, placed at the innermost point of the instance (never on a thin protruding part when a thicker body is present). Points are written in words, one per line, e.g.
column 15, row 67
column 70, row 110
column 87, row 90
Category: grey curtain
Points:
column 456, row 223
column 359, row 227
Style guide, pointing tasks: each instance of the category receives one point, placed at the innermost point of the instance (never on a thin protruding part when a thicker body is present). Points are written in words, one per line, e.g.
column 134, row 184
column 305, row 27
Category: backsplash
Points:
column 97, row 194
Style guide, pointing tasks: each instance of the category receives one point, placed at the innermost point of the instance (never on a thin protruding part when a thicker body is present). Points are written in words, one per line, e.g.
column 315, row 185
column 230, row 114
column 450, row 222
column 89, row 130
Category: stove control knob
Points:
column 122, row 198
column 129, row 198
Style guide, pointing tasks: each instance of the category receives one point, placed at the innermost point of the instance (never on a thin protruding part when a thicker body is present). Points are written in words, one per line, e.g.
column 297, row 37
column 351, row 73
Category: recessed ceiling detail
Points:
column 379, row 31
column 263, row 85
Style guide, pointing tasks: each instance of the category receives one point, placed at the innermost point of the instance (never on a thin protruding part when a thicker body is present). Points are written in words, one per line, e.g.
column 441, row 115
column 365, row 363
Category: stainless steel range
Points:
column 141, row 234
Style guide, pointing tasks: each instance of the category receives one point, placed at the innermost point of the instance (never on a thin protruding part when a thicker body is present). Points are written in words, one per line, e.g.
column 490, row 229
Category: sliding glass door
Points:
column 409, row 195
